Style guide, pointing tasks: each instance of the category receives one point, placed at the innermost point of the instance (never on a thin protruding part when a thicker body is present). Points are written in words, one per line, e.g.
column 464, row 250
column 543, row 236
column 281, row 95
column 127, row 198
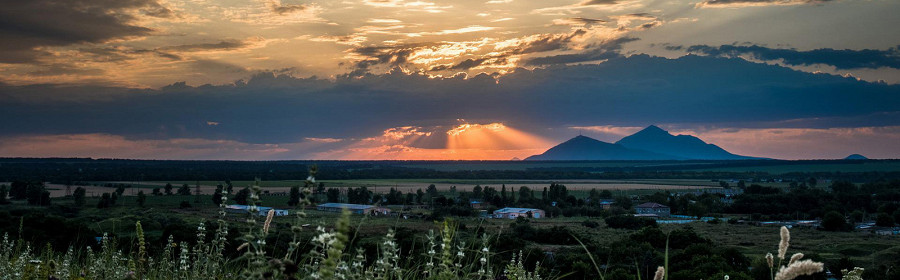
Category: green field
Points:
column 866, row 166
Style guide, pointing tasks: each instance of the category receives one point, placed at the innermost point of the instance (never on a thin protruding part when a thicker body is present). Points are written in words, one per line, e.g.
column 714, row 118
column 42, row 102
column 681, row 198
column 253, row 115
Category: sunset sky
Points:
column 487, row 79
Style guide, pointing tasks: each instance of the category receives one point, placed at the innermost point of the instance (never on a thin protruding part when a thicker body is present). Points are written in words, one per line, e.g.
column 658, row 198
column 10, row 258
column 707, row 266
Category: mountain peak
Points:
column 652, row 130
column 653, row 127
column 658, row 140
column 586, row 148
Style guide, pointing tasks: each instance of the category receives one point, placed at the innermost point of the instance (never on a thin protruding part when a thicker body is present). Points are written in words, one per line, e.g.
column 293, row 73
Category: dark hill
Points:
column 856, row 157
column 586, row 148
column 657, row 140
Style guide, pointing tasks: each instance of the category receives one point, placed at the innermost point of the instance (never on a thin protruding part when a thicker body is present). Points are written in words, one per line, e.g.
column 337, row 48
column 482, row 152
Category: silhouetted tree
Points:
column 168, row 188
column 624, row 202
column 834, row 221
column 18, row 190
column 857, row 216
column 333, row 195
column 242, row 196
column 476, row 192
column 4, row 192
column 35, row 194
column 606, row 194
column 431, row 190
column 104, row 201
column 294, row 199
column 197, row 193
column 141, row 198
column 79, row 196
column 217, row 195
column 884, row 220
column 184, row 190
column 724, row 185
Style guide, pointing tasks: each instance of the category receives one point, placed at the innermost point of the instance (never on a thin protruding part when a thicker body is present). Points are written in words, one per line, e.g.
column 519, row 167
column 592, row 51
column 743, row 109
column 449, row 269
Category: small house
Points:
column 653, row 208
column 605, row 204
column 476, row 204
column 512, row 213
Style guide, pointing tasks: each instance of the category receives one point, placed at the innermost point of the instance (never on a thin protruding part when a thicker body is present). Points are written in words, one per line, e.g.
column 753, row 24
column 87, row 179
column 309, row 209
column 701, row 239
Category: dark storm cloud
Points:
column 464, row 65
column 623, row 91
column 26, row 25
column 599, row 2
column 65, row 69
column 601, row 51
column 284, row 9
column 398, row 55
column 223, row 45
column 840, row 59
column 548, row 42
column 388, row 55
column 739, row 3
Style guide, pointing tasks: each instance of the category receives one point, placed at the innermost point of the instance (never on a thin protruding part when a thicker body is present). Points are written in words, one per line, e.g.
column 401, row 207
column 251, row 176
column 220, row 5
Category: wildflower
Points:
column 804, row 267
column 795, row 257
column 268, row 221
column 770, row 260
column 785, row 242
column 660, row 273
column 243, row 246
column 726, row 277
column 855, row 274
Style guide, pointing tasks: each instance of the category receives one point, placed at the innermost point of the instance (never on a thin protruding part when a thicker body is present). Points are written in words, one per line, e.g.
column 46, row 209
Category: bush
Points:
column 629, row 222
column 884, row 220
column 835, row 221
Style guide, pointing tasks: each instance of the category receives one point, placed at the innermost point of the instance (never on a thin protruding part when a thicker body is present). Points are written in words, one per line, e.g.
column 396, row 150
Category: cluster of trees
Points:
column 32, row 191
column 875, row 201
column 554, row 199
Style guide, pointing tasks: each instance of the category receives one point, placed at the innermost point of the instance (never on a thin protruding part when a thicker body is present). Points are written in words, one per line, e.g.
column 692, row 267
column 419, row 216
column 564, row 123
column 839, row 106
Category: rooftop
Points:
column 516, row 210
column 346, row 205
column 245, row 207
column 651, row 205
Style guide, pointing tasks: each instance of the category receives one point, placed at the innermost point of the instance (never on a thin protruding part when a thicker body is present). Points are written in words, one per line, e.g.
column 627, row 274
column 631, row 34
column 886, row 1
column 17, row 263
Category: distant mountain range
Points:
column 651, row 143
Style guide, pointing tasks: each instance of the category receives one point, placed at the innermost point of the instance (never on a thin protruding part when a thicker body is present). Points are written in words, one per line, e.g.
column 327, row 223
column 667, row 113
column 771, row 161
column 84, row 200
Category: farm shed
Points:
column 512, row 213
column 354, row 208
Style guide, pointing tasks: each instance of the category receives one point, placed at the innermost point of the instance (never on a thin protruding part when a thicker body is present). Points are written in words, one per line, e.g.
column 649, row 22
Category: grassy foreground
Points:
column 447, row 255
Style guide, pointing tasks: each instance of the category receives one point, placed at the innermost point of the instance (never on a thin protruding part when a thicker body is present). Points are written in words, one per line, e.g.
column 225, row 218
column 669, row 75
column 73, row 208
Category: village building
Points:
column 476, row 204
column 263, row 211
column 512, row 213
column 354, row 208
column 605, row 204
column 651, row 208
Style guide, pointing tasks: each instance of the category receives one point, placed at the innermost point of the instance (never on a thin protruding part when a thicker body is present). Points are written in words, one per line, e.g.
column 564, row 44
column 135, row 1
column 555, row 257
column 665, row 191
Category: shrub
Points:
column 834, row 221
column 628, row 222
